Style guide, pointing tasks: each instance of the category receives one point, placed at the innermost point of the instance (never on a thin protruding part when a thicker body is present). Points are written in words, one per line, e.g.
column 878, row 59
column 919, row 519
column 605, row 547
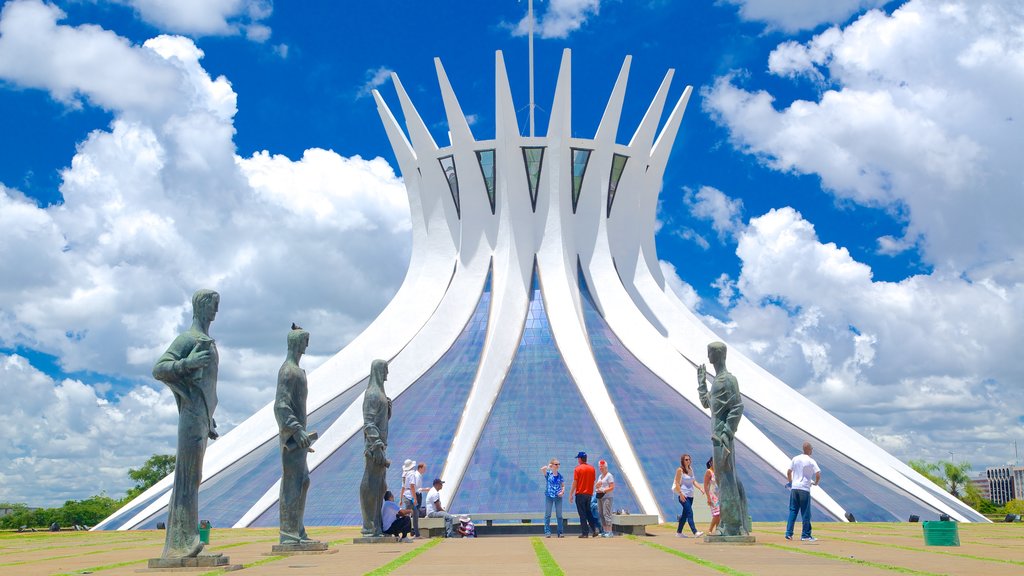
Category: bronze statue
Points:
column 189, row 369
column 376, row 414
column 290, row 410
column 726, row 406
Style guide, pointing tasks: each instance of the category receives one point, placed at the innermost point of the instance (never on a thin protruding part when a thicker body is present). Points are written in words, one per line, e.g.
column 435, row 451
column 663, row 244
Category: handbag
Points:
column 422, row 511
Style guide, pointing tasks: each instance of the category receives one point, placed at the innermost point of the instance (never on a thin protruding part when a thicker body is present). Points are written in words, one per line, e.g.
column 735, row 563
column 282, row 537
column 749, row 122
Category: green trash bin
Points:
column 941, row 534
column 204, row 531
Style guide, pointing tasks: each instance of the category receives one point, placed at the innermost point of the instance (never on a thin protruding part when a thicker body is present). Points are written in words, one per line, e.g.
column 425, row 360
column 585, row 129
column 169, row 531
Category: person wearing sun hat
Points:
column 410, row 485
column 466, row 529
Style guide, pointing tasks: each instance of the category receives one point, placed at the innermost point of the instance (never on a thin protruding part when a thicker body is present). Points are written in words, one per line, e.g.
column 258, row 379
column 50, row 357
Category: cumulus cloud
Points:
column 206, row 17
column 795, row 15
column 684, row 291
column 893, row 359
column 724, row 213
column 55, row 433
column 921, row 121
column 159, row 204
column 561, row 18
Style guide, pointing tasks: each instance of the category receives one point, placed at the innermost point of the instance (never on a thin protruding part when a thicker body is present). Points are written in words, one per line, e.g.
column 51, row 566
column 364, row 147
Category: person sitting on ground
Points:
column 395, row 521
column 435, row 510
column 466, row 529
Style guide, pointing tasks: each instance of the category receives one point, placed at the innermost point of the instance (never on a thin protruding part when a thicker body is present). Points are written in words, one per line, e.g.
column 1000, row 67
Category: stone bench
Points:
column 533, row 523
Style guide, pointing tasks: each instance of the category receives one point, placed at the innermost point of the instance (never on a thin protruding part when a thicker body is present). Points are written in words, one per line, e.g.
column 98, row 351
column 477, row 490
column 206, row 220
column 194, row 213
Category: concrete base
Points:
column 300, row 547
column 718, row 539
column 375, row 540
column 187, row 564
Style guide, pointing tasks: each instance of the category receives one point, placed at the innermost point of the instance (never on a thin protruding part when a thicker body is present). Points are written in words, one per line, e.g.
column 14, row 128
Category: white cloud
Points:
column 375, row 78
column 157, row 205
column 55, row 433
column 795, row 15
column 724, row 213
column 922, row 122
column 894, row 359
column 75, row 62
column 561, row 18
column 685, row 292
column 206, row 17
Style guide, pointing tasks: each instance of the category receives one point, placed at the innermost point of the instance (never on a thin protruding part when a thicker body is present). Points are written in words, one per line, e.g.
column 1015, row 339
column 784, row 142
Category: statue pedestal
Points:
column 198, row 562
column 301, row 548
column 718, row 539
column 375, row 540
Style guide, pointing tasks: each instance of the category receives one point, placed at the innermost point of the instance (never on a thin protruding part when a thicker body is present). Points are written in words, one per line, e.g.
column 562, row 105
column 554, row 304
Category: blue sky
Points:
column 842, row 203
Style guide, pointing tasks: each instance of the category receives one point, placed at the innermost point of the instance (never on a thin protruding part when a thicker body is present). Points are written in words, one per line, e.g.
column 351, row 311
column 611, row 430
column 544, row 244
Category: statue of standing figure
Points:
column 290, row 411
column 376, row 414
column 189, row 369
column 726, row 406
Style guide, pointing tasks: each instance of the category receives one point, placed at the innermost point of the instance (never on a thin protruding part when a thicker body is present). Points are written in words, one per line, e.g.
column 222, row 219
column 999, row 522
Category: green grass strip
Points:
column 826, row 555
column 929, row 550
column 403, row 559
column 690, row 557
column 548, row 566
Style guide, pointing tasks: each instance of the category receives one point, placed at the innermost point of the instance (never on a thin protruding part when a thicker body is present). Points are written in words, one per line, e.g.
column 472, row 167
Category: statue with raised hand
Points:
column 726, row 405
column 290, row 411
column 189, row 369
column 376, row 414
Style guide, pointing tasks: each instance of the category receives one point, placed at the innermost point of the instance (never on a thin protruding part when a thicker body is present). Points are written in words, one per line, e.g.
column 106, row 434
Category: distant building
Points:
column 1001, row 483
column 1018, row 482
column 983, row 487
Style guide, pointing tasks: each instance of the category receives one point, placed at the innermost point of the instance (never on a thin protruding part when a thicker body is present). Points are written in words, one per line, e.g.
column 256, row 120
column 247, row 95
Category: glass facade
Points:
column 868, row 496
column 618, row 165
column 580, row 159
column 131, row 512
column 533, row 160
column 662, row 425
column 452, row 176
column 225, row 497
column 486, row 160
column 423, row 423
column 538, row 415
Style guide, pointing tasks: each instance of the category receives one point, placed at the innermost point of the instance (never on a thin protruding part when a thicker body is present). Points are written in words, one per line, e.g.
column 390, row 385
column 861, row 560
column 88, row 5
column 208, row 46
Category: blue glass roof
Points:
column 662, row 425
column 423, row 423
column 858, row 489
column 538, row 415
column 226, row 496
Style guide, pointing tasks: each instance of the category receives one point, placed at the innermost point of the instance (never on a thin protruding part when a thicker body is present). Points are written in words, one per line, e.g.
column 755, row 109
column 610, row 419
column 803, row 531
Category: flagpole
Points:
column 529, row 16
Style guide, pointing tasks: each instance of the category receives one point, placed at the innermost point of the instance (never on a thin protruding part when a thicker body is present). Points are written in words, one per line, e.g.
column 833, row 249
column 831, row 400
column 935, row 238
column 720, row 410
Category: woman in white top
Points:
column 683, row 487
column 603, row 489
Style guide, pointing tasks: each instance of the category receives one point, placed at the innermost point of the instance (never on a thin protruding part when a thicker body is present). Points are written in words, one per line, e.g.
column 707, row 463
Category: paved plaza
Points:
column 862, row 548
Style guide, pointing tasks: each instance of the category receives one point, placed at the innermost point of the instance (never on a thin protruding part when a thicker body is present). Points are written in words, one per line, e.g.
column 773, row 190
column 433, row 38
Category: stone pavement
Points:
column 861, row 548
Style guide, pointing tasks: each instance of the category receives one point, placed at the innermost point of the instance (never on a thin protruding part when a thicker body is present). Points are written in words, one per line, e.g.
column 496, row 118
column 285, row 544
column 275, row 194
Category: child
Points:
column 466, row 529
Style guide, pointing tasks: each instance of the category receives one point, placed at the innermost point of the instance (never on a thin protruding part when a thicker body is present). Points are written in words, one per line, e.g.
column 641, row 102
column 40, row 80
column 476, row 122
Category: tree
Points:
column 955, row 477
column 1014, row 507
column 154, row 470
column 929, row 471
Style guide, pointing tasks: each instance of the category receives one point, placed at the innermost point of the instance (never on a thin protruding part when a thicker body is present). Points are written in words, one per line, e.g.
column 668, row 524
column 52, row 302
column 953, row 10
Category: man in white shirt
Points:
column 802, row 474
column 434, row 508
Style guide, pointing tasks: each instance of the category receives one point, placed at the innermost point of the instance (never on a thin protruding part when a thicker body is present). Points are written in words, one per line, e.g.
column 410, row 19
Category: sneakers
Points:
column 681, row 535
column 584, row 535
column 560, row 536
column 698, row 534
column 547, row 535
column 808, row 539
column 606, row 535
column 789, row 537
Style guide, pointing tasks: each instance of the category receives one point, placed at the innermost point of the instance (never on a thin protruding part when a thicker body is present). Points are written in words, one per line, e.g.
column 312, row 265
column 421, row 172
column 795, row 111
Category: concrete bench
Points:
column 533, row 523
